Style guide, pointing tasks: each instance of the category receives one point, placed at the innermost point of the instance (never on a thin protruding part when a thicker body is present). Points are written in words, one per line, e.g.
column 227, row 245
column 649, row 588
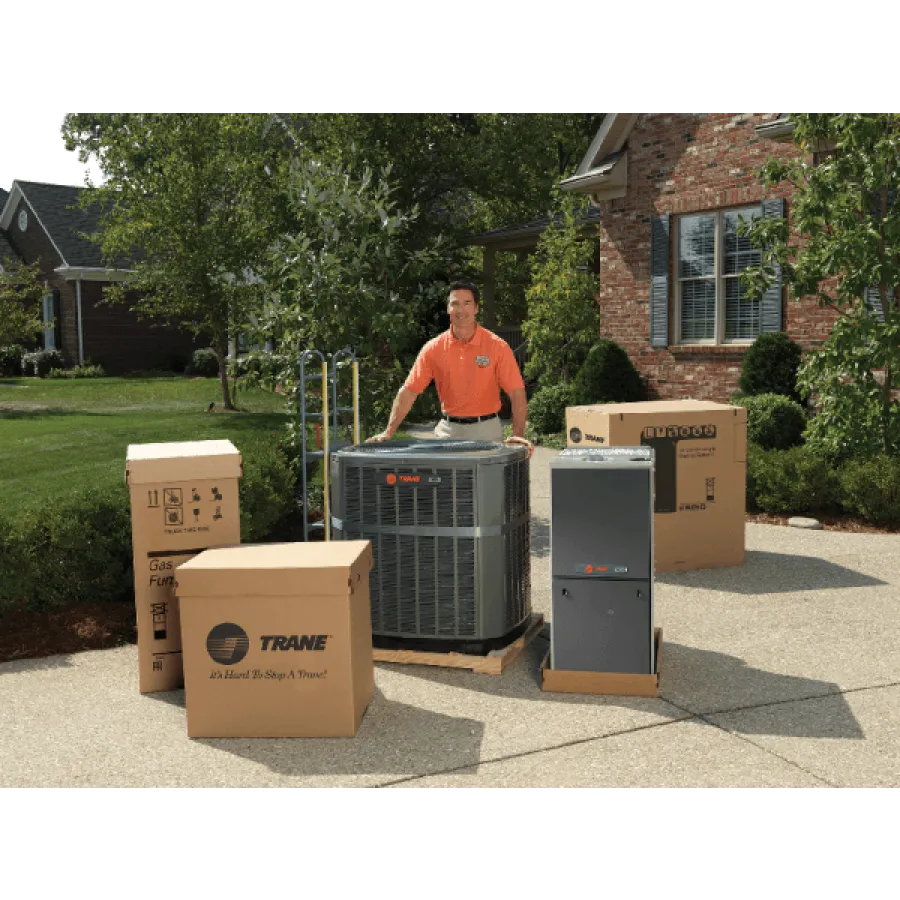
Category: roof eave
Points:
column 780, row 129
column 93, row 273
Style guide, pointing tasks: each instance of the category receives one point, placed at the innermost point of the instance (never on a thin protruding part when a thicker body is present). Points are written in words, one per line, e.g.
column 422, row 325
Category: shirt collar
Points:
column 476, row 338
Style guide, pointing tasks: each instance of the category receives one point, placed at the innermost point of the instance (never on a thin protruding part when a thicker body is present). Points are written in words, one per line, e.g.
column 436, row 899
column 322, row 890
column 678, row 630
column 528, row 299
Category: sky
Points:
column 421, row 60
column 38, row 152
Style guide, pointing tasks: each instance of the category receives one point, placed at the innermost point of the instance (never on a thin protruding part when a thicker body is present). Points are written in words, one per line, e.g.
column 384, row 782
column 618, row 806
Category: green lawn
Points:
column 58, row 436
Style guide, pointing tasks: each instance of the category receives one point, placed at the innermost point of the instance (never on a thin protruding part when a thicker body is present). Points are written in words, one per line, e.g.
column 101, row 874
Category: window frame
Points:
column 719, row 279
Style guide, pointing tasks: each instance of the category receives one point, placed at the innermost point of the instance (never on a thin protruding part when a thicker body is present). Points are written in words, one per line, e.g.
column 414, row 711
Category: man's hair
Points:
column 464, row 286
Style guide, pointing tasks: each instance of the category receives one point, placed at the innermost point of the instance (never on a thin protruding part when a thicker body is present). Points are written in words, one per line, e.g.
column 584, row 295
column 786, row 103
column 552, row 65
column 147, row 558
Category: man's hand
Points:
column 512, row 439
column 383, row 436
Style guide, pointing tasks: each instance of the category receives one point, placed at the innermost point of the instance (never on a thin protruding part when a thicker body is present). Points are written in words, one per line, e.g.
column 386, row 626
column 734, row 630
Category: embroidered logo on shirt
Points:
column 483, row 361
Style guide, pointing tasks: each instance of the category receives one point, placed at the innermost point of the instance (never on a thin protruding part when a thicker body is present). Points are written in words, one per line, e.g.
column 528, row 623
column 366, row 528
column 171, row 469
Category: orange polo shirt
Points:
column 468, row 377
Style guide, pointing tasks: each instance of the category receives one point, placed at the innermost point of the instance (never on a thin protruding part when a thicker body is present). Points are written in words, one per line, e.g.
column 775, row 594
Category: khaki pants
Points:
column 490, row 430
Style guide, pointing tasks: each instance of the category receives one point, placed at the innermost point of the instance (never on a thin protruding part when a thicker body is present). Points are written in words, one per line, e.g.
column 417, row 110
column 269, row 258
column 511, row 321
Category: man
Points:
column 469, row 366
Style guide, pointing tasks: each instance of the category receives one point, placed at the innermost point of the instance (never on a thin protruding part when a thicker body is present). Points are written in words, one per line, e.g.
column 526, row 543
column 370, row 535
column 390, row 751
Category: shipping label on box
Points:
column 172, row 520
column 699, row 473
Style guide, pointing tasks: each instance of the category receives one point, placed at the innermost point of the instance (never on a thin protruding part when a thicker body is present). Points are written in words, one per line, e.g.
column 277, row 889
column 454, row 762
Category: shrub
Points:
column 41, row 362
column 770, row 366
column 205, row 363
column 796, row 480
column 266, row 490
column 11, row 360
column 607, row 376
column 547, row 408
column 871, row 488
column 83, row 371
column 80, row 549
column 773, row 421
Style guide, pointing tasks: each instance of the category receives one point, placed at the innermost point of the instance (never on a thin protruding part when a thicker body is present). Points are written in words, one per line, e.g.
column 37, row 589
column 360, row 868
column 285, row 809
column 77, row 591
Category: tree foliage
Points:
column 346, row 278
column 846, row 222
column 563, row 320
column 20, row 295
column 189, row 203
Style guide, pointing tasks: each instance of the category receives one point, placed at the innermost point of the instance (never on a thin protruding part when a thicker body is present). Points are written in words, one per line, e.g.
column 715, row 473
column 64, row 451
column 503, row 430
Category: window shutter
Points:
column 659, row 281
column 770, row 314
column 872, row 295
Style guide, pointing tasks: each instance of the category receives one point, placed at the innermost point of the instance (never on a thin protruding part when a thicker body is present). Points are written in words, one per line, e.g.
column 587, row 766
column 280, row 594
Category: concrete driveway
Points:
column 783, row 672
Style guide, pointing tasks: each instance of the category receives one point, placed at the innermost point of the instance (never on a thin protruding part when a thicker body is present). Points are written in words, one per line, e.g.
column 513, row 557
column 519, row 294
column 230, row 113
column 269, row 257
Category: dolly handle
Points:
column 326, row 429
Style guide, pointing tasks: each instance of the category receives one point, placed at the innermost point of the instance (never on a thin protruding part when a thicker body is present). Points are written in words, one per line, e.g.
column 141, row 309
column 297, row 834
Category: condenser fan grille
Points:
column 422, row 585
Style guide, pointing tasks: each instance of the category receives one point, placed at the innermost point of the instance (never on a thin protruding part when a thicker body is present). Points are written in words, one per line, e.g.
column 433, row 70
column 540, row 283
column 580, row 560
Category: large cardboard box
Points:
column 184, row 498
column 277, row 639
column 700, row 473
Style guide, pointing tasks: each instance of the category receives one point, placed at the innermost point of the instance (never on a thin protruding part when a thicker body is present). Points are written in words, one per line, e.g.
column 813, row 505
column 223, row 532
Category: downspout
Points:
column 78, row 316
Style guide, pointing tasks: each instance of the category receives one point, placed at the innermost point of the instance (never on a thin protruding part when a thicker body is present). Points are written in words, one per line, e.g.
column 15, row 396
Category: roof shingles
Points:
column 57, row 206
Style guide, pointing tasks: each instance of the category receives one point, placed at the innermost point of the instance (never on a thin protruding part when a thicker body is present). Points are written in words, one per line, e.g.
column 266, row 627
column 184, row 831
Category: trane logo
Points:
column 576, row 436
column 395, row 478
column 679, row 432
column 293, row 641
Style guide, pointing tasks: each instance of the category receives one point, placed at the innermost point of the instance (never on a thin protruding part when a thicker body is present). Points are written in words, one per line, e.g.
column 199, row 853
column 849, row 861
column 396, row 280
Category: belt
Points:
column 469, row 420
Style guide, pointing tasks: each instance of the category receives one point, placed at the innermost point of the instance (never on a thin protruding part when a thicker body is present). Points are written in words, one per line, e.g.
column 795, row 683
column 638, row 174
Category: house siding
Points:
column 679, row 164
column 118, row 340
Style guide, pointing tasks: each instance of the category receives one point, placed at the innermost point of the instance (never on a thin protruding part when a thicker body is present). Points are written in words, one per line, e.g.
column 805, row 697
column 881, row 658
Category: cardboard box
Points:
column 277, row 639
column 184, row 499
column 700, row 473
column 616, row 684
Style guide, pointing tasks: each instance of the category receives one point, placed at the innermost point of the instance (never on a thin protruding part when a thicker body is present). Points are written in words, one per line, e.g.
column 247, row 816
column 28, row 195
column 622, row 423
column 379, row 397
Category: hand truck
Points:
column 327, row 378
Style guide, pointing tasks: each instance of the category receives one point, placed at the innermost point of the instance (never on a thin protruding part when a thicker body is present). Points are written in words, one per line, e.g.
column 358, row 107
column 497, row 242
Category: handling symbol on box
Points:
column 175, row 516
column 196, row 515
column 173, row 496
column 195, row 495
column 215, row 494
column 218, row 514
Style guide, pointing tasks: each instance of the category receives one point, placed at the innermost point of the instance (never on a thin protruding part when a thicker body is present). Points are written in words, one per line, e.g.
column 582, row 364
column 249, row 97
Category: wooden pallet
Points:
column 493, row 664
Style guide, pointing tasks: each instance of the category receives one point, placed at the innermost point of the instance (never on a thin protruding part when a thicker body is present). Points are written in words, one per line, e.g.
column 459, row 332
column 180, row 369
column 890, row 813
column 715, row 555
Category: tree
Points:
column 189, row 203
column 343, row 274
column 563, row 320
column 20, row 295
column 846, row 222
column 467, row 173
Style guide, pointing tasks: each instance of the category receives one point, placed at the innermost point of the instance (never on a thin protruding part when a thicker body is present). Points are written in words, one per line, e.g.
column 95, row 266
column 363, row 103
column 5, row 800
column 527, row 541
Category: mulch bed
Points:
column 26, row 634
column 829, row 523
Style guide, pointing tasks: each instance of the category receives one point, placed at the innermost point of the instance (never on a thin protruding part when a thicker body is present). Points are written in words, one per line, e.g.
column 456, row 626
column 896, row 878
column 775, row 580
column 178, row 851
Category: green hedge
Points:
column 80, row 550
column 871, row 488
column 800, row 481
column 774, row 422
column 607, row 376
column 770, row 366
column 547, row 408
column 795, row 481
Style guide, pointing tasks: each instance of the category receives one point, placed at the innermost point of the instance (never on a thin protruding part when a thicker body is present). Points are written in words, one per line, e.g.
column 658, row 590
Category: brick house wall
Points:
column 118, row 340
column 33, row 245
column 678, row 164
column 113, row 335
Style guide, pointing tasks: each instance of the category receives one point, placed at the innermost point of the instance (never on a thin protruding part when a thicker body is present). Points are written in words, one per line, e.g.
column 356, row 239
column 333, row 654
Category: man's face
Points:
column 462, row 308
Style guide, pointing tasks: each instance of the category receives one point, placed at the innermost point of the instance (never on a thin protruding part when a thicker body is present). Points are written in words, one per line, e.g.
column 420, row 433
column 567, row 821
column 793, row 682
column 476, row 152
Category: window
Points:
column 49, row 319
column 711, row 304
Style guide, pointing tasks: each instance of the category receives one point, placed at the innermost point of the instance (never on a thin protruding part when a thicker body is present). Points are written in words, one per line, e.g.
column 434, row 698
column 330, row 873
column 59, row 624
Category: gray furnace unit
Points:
column 601, row 560
column 449, row 526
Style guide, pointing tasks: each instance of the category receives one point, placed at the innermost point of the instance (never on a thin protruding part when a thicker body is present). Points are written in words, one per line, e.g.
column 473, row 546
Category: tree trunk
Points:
column 222, row 354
